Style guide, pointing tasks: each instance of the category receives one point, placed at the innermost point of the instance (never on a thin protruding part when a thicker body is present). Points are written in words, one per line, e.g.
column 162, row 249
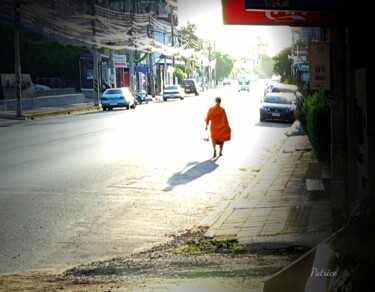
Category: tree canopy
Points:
column 282, row 63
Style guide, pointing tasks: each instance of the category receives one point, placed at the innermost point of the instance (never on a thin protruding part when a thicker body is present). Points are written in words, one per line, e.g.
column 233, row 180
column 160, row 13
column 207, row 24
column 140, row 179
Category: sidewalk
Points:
column 10, row 117
column 277, row 207
column 43, row 112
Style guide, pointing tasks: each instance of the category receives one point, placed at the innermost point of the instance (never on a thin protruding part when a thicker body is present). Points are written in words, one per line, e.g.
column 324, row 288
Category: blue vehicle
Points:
column 117, row 97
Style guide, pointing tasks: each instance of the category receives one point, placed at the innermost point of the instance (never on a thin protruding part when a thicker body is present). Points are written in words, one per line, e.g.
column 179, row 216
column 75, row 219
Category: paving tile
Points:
column 272, row 229
column 249, row 231
column 227, row 233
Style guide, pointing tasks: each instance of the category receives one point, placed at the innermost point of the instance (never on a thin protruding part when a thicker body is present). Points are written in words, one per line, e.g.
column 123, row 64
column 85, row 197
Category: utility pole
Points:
column 17, row 62
column 151, row 69
column 95, row 56
column 165, row 62
column 173, row 59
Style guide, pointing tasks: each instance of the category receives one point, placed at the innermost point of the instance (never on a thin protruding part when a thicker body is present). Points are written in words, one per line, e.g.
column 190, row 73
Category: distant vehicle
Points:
column 117, row 97
column 141, row 96
column 278, row 106
column 280, row 87
column 190, row 86
column 40, row 87
column 173, row 91
column 243, row 86
column 227, row 81
column 243, row 83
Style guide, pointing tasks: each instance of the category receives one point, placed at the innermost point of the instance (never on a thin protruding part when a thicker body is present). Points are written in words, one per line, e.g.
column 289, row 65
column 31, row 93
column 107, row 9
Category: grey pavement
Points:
column 284, row 202
column 10, row 117
column 277, row 207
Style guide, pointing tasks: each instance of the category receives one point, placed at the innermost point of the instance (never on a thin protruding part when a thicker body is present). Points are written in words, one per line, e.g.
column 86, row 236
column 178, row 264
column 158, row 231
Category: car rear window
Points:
column 114, row 91
column 277, row 99
column 171, row 87
column 188, row 82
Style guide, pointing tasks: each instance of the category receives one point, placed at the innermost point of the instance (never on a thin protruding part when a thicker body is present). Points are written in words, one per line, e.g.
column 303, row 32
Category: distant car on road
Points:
column 278, row 106
column 173, row 91
column 227, row 81
column 117, row 97
column 190, row 86
column 243, row 85
column 40, row 87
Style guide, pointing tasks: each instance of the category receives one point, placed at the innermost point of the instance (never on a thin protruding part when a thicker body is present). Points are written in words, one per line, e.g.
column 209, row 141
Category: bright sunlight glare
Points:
column 235, row 40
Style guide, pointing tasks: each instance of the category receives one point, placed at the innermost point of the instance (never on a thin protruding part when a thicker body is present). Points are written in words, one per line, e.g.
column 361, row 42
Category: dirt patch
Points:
column 186, row 261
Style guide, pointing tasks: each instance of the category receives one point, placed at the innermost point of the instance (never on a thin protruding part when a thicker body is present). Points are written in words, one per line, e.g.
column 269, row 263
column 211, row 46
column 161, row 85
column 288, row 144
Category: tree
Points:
column 282, row 64
column 224, row 65
column 189, row 40
column 265, row 68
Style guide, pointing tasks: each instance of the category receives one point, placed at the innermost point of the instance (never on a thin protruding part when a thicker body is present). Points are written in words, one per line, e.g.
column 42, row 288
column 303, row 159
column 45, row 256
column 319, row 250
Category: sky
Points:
column 232, row 39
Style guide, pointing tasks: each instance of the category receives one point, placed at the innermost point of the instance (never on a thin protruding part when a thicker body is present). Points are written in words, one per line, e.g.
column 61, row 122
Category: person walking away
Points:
column 219, row 126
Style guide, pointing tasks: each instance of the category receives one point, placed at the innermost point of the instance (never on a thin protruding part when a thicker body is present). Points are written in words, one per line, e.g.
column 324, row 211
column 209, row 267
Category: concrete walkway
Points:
column 276, row 206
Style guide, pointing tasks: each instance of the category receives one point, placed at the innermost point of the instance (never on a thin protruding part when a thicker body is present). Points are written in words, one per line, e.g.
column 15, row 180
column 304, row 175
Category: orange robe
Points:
column 220, row 130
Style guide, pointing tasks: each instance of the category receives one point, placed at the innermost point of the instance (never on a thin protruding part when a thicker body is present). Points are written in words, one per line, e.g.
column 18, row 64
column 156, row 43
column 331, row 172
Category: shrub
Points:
column 314, row 116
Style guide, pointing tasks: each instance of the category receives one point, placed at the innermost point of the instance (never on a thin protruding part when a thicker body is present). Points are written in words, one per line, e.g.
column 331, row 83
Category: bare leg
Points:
column 221, row 149
column 214, row 146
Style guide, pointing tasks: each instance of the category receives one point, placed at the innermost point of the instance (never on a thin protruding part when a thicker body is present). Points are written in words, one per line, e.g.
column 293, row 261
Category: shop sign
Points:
column 119, row 61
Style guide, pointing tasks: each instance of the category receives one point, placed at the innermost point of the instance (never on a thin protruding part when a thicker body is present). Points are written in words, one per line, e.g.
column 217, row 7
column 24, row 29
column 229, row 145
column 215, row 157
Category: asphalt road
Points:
column 87, row 187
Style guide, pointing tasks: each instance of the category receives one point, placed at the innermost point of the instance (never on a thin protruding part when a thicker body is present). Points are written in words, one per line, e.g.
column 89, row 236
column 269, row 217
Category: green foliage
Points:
column 224, row 65
column 315, row 118
column 205, row 245
column 180, row 73
column 282, row 64
column 187, row 37
column 41, row 59
column 265, row 67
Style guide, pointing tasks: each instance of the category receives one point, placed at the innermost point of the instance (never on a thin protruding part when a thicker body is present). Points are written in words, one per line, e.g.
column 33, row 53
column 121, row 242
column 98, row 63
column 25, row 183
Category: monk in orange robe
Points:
column 219, row 128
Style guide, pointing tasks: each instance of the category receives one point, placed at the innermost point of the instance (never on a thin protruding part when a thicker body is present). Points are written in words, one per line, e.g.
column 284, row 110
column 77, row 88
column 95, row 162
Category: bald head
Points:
column 218, row 100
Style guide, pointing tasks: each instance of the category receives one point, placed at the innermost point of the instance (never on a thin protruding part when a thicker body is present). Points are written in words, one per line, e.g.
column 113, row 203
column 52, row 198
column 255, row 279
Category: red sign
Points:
column 234, row 12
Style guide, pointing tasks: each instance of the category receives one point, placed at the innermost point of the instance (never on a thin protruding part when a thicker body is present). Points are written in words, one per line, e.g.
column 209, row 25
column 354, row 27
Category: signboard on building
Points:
column 119, row 61
column 320, row 71
column 141, row 68
column 239, row 12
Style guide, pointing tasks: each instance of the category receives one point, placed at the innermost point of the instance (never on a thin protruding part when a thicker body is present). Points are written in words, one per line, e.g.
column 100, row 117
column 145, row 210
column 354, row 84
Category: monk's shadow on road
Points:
column 190, row 172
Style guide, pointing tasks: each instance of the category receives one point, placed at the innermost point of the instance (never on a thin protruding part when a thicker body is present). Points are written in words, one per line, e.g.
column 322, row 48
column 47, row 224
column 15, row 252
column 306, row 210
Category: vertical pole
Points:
column 152, row 81
column 96, row 81
column 173, row 60
column 95, row 55
column 131, row 71
column 165, row 63
column 112, row 69
column 17, row 59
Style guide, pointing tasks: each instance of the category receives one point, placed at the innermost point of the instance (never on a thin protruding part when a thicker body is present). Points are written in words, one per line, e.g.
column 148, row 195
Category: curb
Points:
column 48, row 112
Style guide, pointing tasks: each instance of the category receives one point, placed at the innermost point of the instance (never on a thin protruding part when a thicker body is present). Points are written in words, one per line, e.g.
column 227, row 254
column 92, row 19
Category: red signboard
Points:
column 234, row 12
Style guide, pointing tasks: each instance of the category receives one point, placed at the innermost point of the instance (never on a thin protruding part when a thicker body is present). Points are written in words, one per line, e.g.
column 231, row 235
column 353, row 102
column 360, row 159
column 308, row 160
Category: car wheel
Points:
column 133, row 106
column 110, row 108
column 104, row 108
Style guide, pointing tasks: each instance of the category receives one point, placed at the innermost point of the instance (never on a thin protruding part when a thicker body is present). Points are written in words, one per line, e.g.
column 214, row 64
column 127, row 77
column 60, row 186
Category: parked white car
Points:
column 173, row 91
